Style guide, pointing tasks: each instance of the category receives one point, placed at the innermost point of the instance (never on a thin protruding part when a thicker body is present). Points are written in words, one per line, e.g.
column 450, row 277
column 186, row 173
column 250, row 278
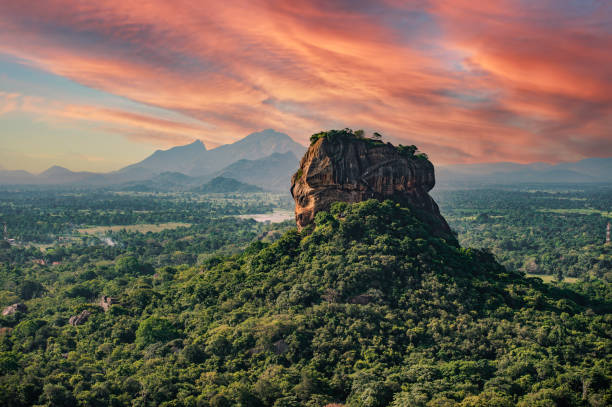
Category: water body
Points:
column 273, row 217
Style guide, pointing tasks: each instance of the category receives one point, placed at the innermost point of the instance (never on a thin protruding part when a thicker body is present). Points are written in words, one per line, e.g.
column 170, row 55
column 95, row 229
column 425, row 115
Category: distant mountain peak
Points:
column 197, row 143
column 195, row 146
column 267, row 134
column 57, row 167
column 54, row 171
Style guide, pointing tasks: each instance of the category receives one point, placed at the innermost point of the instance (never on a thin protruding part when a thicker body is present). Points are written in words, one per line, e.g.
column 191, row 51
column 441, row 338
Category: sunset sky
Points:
column 96, row 85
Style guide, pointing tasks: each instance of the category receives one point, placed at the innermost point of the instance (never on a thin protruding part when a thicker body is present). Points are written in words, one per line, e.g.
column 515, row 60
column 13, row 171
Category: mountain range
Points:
column 195, row 160
column 589, row 170
column 266, row 160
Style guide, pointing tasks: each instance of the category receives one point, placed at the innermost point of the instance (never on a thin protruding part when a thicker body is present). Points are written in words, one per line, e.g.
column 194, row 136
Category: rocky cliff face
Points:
column 354, row 170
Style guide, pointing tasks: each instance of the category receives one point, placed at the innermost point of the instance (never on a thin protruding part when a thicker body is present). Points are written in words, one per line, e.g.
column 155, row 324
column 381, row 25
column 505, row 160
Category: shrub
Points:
column 155, row 329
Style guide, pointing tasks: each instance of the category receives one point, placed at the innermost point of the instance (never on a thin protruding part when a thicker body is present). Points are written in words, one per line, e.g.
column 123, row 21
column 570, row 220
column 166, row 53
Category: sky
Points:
column 97, row 85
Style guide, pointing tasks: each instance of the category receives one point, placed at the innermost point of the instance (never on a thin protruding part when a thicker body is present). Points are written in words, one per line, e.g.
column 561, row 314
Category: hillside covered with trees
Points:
column 368, row 308
column 554, row 230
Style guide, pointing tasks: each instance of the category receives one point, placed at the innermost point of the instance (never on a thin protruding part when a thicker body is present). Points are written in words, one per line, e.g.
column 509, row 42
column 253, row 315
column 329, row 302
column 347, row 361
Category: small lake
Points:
column 273, row 217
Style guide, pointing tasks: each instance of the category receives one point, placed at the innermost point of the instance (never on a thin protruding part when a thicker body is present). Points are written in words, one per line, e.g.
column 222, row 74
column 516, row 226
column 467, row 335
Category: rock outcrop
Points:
column 353, row 169
column 106, row 302
column 79, row 319
column 12, row 309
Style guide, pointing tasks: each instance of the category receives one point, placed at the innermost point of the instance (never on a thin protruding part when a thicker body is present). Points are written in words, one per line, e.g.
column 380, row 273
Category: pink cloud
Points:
column 489, row 81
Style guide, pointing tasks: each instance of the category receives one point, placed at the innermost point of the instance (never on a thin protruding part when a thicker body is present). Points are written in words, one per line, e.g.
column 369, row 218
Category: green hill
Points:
column 226, row 185
column 166, row 181
column 366, row 309
column 270, row 173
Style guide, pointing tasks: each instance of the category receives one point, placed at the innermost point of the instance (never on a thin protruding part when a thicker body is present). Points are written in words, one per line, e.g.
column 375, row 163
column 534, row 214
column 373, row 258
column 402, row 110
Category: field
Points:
column 550, row 279
column 581, row 211
column 143, row 228
column 274, row 217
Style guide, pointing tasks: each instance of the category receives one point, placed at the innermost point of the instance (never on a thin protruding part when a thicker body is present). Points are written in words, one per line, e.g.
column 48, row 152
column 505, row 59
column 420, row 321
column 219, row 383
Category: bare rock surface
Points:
column 79, row 319
column 354, row 170
column 12, row 309
column 106, row 302
column 5, row 331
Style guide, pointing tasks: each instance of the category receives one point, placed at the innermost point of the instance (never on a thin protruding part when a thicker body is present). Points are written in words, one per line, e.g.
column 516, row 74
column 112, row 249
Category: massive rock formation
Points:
column 353, row 169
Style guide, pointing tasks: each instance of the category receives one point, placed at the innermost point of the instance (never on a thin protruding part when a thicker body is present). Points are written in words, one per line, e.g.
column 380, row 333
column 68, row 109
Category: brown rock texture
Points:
column 12, row 309
column 355, row 170
column 79, row 319
column 106, row 302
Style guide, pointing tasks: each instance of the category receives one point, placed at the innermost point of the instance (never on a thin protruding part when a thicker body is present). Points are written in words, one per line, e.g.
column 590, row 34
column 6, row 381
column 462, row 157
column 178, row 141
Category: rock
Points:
column 255, row 351
column 352, row 169
column 280, row 346
column 361, row 299
column 5, row 331
column 79, row 319
column 106, row 302
column 331, row 295
column 11, row 309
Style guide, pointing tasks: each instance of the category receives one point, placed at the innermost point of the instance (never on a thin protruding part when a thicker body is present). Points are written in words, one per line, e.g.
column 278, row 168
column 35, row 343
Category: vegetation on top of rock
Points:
column 374, row 140
column 344, row 134
column 412, row 151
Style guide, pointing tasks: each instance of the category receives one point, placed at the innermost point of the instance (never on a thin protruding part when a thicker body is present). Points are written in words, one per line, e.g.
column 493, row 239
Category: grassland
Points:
column 143, row 228
column 549, row 279
column 580, row 211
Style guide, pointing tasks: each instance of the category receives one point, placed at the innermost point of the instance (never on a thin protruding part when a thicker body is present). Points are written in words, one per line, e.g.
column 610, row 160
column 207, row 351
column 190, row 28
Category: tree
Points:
column 127, row 265
column 58, row 395
column 155, row 329
column 408, row 150
column 559, row 274
column 488, row 399
column 30, row 289
column 9, row 361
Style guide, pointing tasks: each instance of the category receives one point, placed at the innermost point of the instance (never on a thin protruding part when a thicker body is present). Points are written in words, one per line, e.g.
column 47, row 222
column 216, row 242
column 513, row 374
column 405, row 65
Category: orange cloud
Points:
column 136, row 126
column 168, row 132
column 468, row 81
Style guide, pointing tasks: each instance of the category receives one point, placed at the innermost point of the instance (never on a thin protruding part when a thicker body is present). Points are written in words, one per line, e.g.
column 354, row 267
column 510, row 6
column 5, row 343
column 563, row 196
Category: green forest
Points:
column 559, row 232
column 368, row 308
